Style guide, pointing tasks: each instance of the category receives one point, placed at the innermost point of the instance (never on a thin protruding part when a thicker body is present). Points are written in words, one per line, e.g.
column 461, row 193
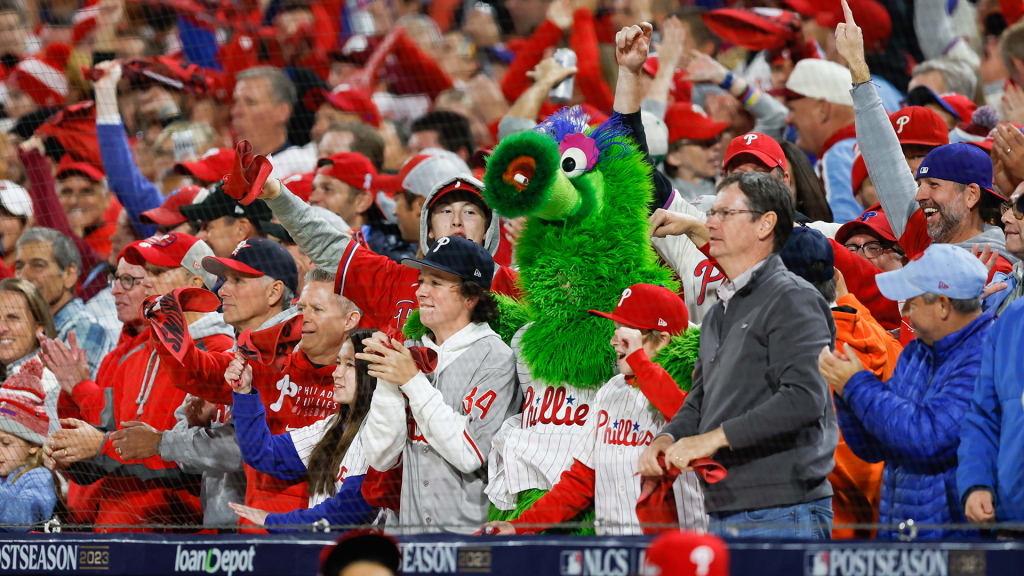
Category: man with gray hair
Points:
column 50, row 261
column 945, row 75
column 263, row 102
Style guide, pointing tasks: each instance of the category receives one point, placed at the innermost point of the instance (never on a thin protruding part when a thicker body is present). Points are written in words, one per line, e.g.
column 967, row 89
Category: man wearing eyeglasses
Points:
column 1007, row 287
column 758, row 404
column 133, row 399
column 694, row 151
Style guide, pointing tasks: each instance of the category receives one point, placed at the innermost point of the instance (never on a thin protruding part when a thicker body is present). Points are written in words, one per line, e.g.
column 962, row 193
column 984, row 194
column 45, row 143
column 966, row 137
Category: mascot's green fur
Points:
column 586, row 193
column 587, row 239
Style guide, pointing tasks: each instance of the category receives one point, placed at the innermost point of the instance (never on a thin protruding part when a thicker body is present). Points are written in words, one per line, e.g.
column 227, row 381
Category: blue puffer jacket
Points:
column 912, row 422
column 991, row 451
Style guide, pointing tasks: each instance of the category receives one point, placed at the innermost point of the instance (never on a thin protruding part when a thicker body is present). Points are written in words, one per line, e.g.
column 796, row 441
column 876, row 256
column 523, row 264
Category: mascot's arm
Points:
column 572, row 494
column 656, row 384
column 512, row 315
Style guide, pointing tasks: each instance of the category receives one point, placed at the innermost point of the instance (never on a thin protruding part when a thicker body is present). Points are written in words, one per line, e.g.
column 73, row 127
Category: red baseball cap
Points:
column 919, row 125
column 169, row 214
column 649, row 307
column 351, row 168
column 858, row 173
column 347, row 100
column 69, row 166
column 960, row 106
column 172, row 251
column 872, row 16
column 300, row 184
column 687, row 121
column 687, row 554
column 211, row 166
column 871, row 221
column 762, row 147
column 461, row 185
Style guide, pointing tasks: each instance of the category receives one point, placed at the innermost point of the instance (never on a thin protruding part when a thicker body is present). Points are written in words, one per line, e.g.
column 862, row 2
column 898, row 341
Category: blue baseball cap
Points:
column 458, row 256
column 805, row 248
column 943, row 269
column 961, row 163
column 257, row 257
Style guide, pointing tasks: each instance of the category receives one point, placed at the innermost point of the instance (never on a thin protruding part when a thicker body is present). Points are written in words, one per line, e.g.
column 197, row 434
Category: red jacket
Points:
column 583, row 41
column 294, row 397
column 385, row 290
column 134, row 383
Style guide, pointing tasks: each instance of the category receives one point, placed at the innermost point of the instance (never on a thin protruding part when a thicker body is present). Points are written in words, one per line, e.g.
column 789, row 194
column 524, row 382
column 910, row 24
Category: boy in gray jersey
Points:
column 440, row 410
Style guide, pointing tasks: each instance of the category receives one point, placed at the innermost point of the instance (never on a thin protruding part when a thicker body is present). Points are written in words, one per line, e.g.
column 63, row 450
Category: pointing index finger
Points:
column 848, row 13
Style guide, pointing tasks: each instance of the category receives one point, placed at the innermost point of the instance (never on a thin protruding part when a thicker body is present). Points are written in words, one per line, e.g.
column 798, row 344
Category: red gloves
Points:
column 250, row 172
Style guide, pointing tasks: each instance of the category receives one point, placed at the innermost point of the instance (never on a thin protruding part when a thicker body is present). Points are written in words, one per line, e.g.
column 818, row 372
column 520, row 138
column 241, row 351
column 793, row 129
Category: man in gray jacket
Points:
column 758, row 404
column 440, row 413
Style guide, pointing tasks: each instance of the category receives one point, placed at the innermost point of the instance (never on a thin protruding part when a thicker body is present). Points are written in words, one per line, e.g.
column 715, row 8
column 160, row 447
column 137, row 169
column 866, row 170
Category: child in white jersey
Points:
column 630, row 409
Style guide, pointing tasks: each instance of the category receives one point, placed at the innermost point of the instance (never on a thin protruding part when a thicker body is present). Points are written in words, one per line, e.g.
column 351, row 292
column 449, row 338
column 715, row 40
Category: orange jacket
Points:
column 856, row 483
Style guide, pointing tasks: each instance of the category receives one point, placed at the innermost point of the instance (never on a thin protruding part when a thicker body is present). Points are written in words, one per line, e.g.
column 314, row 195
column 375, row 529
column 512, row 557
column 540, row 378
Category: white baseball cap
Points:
column 15, row 199
column 822, row 80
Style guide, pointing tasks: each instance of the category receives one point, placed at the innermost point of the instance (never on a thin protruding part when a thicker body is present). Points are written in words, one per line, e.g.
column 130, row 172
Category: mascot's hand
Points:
column 631, row 46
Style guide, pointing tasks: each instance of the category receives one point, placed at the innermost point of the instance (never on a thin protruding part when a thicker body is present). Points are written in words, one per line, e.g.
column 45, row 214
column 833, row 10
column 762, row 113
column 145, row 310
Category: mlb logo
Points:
column 816, row 563
column 571, row 563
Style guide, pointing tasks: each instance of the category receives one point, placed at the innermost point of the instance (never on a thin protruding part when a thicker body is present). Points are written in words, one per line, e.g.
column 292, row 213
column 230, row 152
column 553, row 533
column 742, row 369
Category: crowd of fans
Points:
column 217, row 217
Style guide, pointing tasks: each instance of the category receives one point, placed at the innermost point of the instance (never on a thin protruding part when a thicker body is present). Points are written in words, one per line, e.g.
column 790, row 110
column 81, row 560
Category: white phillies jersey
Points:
column 624, row 424
column 532, row 449
column 700, row 279
column 352, row 464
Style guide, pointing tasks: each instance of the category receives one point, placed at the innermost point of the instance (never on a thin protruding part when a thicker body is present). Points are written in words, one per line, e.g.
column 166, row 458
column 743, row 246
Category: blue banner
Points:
column 231, row 555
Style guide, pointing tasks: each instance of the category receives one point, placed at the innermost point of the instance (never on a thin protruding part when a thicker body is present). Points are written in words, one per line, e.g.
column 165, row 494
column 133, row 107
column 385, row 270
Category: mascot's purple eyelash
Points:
column 574, row 120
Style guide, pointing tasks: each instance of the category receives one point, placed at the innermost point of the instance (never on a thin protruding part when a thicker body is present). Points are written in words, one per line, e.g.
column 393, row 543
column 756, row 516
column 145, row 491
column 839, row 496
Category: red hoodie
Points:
column 134, row 383
column 296, row 396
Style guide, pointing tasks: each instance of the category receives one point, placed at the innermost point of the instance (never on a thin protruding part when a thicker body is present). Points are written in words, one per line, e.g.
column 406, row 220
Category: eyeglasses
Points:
column 871, row 249
column 724, row 213
column 1017, row 207
column 127, row 281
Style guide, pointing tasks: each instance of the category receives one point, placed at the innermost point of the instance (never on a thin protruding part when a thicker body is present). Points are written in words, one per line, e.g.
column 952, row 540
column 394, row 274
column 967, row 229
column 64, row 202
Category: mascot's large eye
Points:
column 574, row 162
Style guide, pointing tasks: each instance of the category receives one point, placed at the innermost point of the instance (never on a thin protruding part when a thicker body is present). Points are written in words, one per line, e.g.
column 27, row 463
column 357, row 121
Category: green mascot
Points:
column 586, row 192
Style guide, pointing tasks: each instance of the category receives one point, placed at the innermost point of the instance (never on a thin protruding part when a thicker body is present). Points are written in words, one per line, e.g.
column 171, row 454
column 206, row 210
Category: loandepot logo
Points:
column 214, row 560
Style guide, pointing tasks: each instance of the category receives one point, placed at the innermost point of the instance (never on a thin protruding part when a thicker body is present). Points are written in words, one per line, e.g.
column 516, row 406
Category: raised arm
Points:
column 135, row 193
column 271, row 454
column 323, row 243
column 876, row 138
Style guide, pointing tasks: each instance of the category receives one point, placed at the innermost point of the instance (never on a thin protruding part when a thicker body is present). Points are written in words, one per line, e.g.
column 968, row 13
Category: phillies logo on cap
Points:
column 901, row 122
column 625, row 294
column 867, row 216
column 442, row 242
column 748, row 138
column 159, row 241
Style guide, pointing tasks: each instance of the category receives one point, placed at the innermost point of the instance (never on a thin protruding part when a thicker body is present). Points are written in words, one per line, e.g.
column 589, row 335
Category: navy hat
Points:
column 254, row 258
column 961, row 163
column 805, row 248
column 213, row 203
column 459, row 256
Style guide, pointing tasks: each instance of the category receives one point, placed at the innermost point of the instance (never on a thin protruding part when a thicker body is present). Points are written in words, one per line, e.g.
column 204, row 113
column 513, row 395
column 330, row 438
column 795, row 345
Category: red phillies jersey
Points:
column 385, row 290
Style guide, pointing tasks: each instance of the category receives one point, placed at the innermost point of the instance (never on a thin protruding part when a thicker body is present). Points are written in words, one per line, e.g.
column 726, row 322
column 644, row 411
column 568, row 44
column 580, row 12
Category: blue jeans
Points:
column 808, row 521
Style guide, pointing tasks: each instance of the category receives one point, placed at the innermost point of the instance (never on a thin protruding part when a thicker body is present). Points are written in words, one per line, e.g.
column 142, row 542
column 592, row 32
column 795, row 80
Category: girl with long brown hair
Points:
column 329, row 453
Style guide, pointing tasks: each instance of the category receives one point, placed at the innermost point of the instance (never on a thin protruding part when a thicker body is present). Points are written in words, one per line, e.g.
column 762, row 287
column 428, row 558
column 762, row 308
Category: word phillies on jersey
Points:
column 304, row 400
column 554, row 407
column 622, row 432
